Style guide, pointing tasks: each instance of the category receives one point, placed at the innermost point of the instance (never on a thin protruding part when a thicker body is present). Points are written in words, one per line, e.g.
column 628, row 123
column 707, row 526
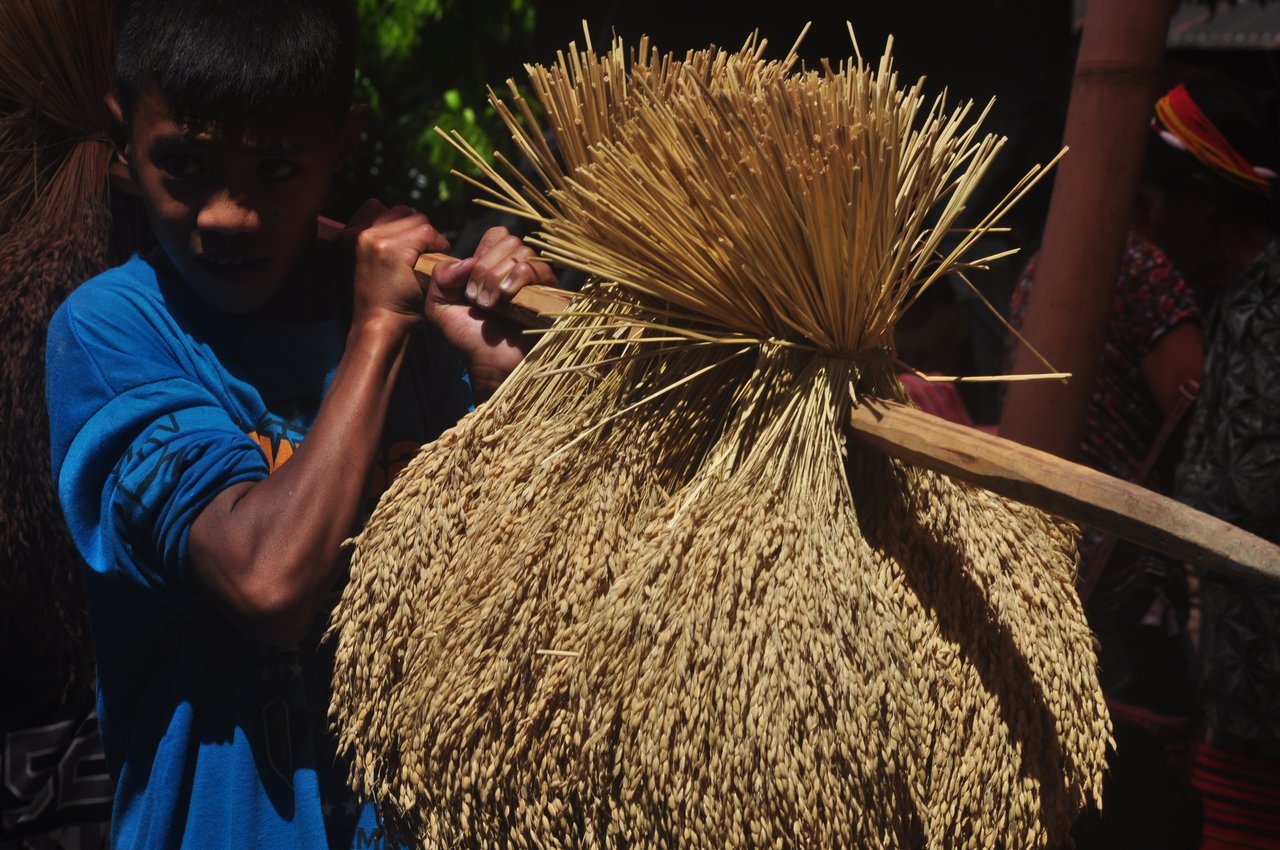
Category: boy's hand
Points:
column 386, row 243
column 460, row 294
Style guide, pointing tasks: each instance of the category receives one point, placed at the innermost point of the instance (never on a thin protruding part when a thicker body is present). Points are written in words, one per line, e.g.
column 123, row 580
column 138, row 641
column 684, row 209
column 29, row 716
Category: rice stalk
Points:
column 648, row 596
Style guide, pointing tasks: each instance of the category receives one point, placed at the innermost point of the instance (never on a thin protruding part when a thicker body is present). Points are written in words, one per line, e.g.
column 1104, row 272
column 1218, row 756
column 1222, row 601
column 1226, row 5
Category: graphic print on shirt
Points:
column 160, row 464
column 280, row 434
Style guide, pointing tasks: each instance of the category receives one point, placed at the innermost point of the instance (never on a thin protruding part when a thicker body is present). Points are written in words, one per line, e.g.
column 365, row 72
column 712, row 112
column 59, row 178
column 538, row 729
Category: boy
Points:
column 179, row 385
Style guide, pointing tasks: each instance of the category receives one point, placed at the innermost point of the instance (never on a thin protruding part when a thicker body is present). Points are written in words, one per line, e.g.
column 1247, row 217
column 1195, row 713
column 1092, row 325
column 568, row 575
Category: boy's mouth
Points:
column 227, row 261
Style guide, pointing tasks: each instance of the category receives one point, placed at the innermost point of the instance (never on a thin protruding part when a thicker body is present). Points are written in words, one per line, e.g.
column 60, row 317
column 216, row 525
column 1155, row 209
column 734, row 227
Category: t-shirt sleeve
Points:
column 1152, row 298
column 139, row 449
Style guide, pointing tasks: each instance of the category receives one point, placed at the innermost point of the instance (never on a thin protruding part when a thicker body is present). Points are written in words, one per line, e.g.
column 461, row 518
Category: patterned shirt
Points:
column 1231, row 469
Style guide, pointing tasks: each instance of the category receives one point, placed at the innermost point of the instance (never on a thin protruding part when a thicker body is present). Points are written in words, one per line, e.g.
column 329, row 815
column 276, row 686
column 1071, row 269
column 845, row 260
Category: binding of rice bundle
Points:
column 56, row 60
column 649, row 595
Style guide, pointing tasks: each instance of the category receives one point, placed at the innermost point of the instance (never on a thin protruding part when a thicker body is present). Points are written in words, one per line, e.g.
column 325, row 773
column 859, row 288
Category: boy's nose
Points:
column 227, row 213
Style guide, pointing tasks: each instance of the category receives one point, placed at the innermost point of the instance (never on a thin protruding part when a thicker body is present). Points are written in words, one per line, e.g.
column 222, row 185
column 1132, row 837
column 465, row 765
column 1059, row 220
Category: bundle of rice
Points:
column 649, row 595
column 56, row 60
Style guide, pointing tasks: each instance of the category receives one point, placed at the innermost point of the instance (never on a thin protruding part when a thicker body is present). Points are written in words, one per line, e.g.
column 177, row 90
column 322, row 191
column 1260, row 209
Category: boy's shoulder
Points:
column 111, row 323
column 127, row 307
column 114, row 292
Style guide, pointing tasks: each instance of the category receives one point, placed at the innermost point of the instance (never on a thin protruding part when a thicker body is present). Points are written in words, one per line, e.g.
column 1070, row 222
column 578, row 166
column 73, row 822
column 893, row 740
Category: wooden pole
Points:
column 1114, row 89
column 1017, row 472
column 1070, row 490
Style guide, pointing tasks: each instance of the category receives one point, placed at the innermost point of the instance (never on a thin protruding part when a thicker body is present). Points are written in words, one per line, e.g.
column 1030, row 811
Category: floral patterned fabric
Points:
column 1150, row 299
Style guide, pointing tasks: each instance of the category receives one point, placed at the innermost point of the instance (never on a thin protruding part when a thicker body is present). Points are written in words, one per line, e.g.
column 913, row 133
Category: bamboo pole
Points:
column 1114, row 87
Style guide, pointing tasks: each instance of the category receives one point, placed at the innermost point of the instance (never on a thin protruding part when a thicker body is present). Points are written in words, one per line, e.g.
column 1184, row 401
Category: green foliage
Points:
column 423, row 64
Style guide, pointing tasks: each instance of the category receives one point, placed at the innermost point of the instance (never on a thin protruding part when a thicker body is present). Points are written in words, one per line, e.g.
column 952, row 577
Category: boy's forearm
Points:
column 270, row 550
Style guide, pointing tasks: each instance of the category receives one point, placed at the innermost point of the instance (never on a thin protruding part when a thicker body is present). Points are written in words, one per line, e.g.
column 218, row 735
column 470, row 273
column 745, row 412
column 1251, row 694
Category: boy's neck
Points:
column 311, row 293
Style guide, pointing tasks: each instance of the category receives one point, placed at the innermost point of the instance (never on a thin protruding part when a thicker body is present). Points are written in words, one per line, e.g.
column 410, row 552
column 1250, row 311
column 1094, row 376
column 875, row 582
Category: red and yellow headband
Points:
column 1182, row 125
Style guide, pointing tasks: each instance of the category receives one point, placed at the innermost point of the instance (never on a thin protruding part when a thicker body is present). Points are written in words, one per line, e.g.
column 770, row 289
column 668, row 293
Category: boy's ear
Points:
column 349, row 135
column 120, row 174
column 117, row 128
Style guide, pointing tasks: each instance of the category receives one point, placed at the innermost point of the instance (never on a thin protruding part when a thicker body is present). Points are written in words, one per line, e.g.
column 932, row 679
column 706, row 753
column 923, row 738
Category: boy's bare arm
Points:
column 270, row 550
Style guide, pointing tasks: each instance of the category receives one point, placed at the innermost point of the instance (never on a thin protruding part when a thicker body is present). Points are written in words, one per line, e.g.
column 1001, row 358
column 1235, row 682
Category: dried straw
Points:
column 649, row 596
column 56, row 60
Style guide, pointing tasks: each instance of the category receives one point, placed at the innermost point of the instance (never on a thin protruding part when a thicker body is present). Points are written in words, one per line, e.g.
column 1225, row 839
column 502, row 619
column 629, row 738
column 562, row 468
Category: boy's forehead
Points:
column 299, row 127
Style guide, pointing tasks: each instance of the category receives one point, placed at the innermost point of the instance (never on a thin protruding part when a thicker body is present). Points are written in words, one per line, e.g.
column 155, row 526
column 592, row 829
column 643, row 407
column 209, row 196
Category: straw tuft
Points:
column 55, row 66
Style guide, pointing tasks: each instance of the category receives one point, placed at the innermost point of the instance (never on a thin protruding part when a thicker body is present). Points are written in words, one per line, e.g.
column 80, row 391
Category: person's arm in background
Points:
column 270, row 549
column 1161, row 321
column 1176, row 358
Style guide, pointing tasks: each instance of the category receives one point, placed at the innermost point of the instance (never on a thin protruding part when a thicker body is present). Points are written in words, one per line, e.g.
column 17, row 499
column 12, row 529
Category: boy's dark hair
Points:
column 237, row 58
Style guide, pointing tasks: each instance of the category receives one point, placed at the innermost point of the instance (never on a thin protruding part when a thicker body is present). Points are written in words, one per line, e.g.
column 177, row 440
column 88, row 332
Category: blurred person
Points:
column 1208, row 198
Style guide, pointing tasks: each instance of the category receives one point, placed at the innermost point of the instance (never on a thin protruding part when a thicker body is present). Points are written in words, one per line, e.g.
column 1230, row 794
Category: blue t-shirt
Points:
column 156, row 405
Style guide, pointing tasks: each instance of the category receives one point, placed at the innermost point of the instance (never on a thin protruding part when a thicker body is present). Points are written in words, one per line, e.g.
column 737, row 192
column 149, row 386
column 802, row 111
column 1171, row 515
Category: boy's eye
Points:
column 182, row 165
column 277, row 169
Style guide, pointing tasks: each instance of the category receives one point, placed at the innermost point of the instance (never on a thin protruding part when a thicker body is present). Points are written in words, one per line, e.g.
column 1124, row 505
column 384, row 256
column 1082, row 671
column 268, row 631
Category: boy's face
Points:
column 234, row 207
